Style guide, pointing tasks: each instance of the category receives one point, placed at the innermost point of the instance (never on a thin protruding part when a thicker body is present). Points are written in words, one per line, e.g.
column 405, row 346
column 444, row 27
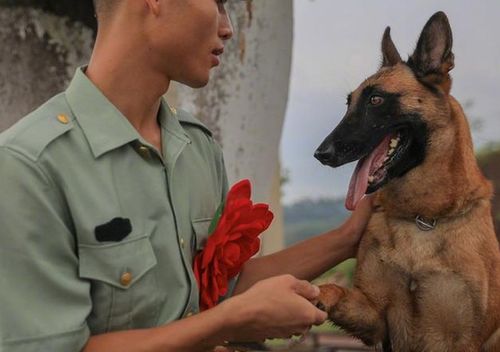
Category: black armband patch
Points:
column 114, row 231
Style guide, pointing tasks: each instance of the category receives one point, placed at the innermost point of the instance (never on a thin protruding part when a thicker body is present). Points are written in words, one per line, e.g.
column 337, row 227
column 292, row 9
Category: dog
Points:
column 428, row 265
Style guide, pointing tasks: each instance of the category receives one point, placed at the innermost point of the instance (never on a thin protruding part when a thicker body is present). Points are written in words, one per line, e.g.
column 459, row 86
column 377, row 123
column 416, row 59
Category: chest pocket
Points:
column 124, row 287
column 200, row 229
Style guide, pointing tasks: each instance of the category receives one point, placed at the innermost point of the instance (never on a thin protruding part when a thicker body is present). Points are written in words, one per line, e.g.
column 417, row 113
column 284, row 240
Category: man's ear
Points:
column 433, row 58
column 390, row 55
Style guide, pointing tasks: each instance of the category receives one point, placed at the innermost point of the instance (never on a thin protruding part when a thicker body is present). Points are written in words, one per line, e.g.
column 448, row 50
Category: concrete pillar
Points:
column 246, row 100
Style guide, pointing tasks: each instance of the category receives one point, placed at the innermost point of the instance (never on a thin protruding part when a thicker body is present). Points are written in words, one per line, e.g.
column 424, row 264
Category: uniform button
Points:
column 144, row 152
column 63, row 119
column 190, row 314
column 182, row 242
column 126, row 278
column 174, row 110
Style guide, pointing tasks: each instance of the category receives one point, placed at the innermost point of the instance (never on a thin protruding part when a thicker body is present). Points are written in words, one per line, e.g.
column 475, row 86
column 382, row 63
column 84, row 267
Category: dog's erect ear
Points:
column 433, row 55
column 390, row 55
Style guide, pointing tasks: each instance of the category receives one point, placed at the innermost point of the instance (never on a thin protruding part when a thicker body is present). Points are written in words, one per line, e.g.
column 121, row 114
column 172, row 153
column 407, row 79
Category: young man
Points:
column 107, row 193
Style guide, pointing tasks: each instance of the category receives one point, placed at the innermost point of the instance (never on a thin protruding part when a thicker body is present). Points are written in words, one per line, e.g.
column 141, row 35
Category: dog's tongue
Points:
column 359, row 180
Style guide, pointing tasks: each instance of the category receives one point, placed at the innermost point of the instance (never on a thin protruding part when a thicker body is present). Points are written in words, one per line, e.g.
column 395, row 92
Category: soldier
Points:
column 107, row 193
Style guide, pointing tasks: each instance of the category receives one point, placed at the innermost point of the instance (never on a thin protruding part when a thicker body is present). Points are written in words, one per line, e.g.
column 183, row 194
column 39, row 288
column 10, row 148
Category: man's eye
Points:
column 376, row 100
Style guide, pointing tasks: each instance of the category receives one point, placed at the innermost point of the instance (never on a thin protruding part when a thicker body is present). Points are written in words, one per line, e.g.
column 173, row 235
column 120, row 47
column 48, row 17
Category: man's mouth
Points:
column 215, row 56
column 218, row 51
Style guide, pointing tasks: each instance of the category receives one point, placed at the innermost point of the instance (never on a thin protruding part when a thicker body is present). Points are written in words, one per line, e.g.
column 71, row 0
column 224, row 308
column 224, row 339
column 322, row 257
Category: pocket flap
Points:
column 200, row 227
column 118, row 264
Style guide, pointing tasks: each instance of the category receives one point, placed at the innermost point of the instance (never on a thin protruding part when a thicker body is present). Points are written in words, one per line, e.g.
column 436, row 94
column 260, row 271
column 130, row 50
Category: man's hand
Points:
column 274, row 308
column 310, row 258
column 355, row 226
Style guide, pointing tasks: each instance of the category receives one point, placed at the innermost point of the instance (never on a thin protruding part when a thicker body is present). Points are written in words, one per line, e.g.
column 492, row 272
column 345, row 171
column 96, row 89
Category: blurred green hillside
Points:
column 312, row 217
column 308, row 218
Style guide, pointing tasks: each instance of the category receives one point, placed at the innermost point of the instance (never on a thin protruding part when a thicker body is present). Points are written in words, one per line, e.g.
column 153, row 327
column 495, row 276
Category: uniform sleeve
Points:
column 43, row 303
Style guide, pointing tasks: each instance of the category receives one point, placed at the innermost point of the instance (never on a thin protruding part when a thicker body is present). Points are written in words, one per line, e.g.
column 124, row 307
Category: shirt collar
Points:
column 169, row 122
column 104, row 126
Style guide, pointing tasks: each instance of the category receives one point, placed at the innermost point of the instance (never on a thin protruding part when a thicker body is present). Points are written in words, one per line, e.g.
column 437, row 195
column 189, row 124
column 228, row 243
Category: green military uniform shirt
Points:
column 97, row 229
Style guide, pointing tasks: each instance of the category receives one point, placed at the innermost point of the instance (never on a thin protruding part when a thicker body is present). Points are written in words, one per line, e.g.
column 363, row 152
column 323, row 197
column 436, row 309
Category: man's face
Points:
column 187, row 37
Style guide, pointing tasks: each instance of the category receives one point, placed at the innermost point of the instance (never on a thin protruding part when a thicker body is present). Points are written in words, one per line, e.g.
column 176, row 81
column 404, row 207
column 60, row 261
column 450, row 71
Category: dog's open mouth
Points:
column 371, row 171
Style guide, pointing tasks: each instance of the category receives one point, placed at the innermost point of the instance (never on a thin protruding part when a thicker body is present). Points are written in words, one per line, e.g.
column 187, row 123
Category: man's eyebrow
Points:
column 349, row 98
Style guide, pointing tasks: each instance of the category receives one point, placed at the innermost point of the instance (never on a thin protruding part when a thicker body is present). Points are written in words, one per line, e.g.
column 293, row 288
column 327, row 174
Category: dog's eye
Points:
column 376, row 100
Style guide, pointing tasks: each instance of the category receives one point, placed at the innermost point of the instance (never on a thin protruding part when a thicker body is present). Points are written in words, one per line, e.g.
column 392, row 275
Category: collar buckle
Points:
column 425, row 224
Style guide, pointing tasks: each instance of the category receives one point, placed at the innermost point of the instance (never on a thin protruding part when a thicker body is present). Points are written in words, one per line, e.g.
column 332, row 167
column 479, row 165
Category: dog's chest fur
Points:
column 424, row 284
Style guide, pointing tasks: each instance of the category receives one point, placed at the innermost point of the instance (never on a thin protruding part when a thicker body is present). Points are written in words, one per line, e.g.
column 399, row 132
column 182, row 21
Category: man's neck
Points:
column 130, row 84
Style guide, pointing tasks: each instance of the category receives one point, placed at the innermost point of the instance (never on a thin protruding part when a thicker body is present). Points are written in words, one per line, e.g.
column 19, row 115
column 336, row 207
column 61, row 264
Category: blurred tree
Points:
column 489, row 161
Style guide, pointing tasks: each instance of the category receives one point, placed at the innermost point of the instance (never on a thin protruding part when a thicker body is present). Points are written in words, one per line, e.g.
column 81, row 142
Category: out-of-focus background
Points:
column 280, row 91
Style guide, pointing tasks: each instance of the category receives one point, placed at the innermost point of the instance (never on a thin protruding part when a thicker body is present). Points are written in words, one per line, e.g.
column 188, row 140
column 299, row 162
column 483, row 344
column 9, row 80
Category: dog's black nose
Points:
column 325, row 154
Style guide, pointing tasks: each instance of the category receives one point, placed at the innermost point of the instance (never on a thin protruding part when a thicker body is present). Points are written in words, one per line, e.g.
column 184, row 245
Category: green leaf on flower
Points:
column 216, row 218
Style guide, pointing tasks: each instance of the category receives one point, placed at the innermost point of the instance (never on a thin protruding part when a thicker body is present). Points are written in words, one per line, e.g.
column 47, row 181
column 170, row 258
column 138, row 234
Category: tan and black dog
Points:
column 428, row 269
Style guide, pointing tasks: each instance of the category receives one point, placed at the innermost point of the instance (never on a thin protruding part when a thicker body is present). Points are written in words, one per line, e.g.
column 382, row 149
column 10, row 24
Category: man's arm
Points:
column 43, row 303
column 309, row 259
column 276, row 307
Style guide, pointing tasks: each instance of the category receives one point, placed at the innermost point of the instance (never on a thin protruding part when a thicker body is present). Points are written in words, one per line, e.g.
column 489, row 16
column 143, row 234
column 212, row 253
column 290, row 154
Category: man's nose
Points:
column 226, row 27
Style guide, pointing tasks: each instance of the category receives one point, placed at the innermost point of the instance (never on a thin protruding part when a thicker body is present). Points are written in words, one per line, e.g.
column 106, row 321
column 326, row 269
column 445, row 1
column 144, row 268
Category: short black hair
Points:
column 104, row 7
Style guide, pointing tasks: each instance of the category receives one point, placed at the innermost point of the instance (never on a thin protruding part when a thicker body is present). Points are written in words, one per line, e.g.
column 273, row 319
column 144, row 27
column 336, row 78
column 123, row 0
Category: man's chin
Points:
column 195, row 83
column 199, row 84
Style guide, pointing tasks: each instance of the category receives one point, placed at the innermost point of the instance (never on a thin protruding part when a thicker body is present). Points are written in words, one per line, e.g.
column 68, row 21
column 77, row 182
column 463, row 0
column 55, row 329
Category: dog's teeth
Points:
column 394, row 143
column 391, row 151
column 371, row 179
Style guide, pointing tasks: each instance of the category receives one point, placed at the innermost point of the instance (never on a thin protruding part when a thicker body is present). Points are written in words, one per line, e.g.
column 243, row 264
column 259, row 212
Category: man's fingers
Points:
column 321, row 317
column 311, row 293
column 306, row 289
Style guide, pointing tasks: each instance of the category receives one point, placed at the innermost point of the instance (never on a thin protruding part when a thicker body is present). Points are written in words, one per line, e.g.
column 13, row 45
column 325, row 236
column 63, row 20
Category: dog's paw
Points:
column 329, row 296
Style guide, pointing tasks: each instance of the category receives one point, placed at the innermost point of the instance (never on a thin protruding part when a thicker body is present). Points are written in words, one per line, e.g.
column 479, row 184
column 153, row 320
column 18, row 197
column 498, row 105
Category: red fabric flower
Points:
column 233, row 240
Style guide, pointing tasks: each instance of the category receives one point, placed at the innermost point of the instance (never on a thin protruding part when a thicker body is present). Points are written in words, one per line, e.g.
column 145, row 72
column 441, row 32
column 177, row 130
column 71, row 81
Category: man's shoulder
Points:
column 34, row 132
column 187, row 120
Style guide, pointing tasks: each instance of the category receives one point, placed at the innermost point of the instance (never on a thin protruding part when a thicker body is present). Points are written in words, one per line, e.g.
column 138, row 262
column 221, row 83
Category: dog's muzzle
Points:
column 325, row 154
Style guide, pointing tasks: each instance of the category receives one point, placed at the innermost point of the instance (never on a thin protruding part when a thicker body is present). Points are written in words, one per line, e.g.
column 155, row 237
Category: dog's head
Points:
column 391, row 115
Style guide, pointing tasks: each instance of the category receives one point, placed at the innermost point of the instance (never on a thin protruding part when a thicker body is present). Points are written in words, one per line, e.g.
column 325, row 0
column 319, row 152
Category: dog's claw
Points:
column 321, row 306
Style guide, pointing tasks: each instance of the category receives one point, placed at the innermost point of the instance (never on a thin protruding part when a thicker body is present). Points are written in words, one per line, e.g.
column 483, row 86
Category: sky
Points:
column 337, row 45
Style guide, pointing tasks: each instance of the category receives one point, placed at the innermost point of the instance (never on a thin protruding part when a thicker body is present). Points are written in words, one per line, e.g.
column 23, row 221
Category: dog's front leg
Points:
column 493, row 342
column 351, row 310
